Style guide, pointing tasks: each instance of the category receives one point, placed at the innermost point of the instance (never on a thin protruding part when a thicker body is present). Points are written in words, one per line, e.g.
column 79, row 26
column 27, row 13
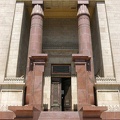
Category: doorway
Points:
column 61, row 94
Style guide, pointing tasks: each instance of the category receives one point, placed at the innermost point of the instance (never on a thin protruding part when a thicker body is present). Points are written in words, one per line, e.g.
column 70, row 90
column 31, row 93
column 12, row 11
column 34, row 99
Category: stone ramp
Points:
column 51, row 115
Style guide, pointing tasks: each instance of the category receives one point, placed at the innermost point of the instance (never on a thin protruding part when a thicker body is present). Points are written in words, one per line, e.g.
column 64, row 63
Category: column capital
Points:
column 83, row 10
column 37, row 10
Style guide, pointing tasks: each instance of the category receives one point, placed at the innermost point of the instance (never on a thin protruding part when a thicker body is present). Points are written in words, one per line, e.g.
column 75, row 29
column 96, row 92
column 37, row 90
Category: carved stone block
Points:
column 37, row 2
column 83, row 2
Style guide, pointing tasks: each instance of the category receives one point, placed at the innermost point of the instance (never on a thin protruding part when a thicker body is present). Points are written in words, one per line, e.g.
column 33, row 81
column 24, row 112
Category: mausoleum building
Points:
column 59, row 60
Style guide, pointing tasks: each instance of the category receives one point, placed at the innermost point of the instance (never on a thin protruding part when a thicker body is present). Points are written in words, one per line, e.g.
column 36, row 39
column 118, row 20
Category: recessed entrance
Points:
column 61, row 94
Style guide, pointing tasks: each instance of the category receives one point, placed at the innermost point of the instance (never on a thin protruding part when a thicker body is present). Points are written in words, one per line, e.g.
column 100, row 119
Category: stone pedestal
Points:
column 35, row 81
column 22, row 111
column 91, row 112
column 84, row 89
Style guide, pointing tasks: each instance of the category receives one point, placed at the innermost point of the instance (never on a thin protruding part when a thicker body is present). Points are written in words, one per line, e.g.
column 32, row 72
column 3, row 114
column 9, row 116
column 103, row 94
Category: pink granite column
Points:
column 35, row 43
column 84, row 60
column 84, row 34
column 36, row 60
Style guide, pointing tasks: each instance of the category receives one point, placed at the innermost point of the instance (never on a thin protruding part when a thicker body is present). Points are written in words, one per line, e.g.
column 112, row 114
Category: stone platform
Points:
column 59, row 115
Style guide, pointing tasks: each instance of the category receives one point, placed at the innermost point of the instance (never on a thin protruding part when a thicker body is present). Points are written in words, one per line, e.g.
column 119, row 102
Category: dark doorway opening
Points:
column 61, row 94
column 66, row 94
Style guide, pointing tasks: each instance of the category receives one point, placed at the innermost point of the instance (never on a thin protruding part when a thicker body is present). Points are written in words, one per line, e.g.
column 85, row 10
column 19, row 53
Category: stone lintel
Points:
column 22, row 111
column 40, row 2
column 80, row 57
column 38, row 58
column 81, row 2
column 93, row 111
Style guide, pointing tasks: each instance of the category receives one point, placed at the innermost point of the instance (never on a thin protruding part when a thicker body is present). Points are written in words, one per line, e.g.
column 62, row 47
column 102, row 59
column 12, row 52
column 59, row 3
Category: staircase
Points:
column 51, row 115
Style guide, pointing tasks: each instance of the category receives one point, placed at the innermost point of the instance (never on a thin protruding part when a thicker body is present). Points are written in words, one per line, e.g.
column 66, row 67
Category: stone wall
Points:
column 24, row 43
column 113, row 17
column 13, row 81
column 107, row 86
column 7, row 9
column 97, row 54
column 101, row 43
column 60, row 33
column 19, row 42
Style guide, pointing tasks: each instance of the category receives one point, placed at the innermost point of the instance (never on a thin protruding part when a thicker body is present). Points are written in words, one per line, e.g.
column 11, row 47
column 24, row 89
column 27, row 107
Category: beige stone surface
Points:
column 109, row 98
column 106, row 53
column 19, row 42
column 15, row 41
column 11, row 93
column 74, row 90
column 11, row 98
column 12, row 89
column 105, row 40
column 7, row 8
column 47, row 90
column 113, row 17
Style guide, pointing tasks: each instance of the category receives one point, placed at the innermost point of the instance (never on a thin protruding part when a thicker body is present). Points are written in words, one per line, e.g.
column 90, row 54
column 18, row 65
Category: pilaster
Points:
column 35, row 81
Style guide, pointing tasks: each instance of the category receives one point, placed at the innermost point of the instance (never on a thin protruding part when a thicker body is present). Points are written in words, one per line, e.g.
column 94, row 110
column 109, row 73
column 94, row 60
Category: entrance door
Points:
column 61, row 94
column 55, row 94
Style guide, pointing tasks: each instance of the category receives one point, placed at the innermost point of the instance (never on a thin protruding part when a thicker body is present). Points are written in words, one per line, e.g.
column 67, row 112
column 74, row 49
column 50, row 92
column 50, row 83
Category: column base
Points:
column 92, row 111
column 22, row 111
column 35, row 81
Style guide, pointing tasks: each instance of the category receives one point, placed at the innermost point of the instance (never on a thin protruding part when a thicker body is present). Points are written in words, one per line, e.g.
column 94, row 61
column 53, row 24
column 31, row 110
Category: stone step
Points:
column 54, row 115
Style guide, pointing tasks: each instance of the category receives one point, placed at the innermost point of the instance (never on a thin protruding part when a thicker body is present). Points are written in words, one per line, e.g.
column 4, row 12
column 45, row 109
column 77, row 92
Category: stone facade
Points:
column 83, row 34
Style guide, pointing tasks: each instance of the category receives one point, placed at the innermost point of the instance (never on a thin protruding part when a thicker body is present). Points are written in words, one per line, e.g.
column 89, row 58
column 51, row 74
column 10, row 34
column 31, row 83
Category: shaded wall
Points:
column 97, row 55
column 60, row 33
